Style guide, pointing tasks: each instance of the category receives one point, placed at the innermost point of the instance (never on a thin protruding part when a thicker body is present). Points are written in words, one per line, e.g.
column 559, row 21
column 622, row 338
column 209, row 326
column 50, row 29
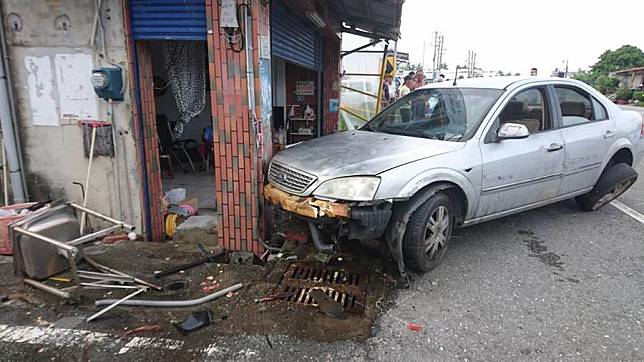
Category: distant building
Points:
column 632, row 78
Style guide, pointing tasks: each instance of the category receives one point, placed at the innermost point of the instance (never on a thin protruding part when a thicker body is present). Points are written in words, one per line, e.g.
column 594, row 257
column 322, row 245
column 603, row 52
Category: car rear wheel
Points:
column 428, row 233
column 612, row 183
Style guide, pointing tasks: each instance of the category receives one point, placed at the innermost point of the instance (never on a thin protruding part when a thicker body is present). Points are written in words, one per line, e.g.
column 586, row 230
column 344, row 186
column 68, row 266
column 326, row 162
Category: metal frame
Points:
column 70, row 250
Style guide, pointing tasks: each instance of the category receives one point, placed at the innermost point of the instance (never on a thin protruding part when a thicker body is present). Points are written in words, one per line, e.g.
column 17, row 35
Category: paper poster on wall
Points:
column 305, row 88
column 76, row 93
column 40, row 83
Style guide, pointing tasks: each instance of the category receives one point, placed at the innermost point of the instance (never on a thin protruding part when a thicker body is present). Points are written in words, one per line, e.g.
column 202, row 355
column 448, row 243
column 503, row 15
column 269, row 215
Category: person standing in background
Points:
column 533, row 72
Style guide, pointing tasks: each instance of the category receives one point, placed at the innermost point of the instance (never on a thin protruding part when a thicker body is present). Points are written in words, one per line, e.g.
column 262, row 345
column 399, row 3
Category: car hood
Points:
column 360, row 153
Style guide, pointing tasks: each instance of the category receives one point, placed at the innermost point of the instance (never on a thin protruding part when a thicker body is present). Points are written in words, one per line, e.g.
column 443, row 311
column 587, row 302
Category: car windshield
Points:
column 449, row 114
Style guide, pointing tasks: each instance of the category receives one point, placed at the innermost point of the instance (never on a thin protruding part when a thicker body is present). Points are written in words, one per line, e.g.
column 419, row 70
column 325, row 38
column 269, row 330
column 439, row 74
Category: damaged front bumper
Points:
column 359, row 220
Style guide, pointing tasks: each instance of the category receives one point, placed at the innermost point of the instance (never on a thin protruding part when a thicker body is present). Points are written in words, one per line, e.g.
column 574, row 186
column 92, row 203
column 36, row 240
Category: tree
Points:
column 625, row 57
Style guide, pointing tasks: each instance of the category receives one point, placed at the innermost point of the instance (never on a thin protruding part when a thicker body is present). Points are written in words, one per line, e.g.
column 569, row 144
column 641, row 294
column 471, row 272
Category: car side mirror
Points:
column 512, row 131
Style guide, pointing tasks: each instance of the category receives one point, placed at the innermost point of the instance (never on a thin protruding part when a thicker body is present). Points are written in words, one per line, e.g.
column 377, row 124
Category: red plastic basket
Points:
column 6, row 246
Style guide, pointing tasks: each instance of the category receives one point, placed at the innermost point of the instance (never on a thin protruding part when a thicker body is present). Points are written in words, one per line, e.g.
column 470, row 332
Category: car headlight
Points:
column 362, row 188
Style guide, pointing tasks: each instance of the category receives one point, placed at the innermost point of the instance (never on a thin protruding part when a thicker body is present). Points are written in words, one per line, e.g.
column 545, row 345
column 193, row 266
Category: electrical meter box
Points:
column 108, row 83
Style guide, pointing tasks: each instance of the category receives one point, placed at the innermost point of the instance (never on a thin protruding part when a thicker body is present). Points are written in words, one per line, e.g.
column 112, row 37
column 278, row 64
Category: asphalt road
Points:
column 551, row 284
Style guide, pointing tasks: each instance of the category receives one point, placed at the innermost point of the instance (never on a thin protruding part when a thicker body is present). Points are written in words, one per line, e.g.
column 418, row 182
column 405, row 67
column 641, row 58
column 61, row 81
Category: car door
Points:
column 522, row 172
column 588, row 134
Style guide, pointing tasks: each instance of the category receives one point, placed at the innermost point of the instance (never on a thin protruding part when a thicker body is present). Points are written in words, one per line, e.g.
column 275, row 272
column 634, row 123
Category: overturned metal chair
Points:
column 49, row 242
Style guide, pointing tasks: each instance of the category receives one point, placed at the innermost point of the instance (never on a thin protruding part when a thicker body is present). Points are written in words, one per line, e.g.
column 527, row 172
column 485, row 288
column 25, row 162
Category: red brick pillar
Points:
column 331, row 80
column 238, row 179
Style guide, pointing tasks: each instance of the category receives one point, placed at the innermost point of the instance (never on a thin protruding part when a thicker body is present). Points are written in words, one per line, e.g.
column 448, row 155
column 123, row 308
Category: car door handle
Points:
column 609, row 134
column 554, row 147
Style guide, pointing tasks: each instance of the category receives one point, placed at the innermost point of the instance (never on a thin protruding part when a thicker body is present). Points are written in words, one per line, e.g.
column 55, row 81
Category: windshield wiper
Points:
column 454, row 136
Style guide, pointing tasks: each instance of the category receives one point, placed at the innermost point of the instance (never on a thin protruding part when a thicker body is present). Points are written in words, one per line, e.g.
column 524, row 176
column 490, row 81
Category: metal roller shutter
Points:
column 293, row 38
column 168, row 19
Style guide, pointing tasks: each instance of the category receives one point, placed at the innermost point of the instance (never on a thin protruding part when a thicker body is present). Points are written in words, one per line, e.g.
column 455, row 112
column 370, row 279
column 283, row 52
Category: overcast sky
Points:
column 518, row 35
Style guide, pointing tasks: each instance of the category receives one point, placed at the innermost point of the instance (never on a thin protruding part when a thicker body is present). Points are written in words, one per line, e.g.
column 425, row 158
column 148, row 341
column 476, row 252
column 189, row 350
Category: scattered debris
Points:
column 111, row 239
column 327, row 305
column 206, row 259
column 272, row 297
column 209, row 288
column 143, row 329
column 242, row 257
column 195, row 321
column 414, row 327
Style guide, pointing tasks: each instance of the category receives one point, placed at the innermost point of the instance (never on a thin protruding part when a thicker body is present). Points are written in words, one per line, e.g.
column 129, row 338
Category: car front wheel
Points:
column 612, row 183
column 428, row 233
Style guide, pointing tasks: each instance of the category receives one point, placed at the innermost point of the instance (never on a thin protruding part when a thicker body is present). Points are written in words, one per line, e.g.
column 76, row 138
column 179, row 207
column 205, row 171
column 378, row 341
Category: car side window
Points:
column 529, row 108
column 600, row 111
column 575, row 105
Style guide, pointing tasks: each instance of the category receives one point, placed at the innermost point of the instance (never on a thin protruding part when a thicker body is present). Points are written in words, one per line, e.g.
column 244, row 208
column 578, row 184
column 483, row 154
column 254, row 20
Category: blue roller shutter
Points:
column 168, row 19
column 293, row 37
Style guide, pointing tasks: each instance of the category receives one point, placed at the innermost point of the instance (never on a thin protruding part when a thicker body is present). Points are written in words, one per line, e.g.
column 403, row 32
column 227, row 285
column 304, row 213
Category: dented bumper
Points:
column 306, row 206
column 362, row 222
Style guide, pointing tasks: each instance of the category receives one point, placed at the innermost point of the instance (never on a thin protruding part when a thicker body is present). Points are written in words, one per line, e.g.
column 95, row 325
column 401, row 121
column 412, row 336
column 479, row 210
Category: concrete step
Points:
column 198, row 229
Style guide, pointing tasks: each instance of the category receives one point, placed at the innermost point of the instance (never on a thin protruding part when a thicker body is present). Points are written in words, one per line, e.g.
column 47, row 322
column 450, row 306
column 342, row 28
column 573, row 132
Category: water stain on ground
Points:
column 540, row 251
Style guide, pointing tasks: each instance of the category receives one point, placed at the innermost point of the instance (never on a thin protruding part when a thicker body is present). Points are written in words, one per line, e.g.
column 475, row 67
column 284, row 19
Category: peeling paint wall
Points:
column 51, row 61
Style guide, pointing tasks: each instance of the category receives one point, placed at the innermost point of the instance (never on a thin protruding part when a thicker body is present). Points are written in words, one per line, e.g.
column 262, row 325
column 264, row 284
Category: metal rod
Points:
column 362, row 74
column 374, row 42
column 360, row 91
column 104, row 276
column 104, row 268
column 46, row 288
column 108, row 308
column 173, row 303
column 125, row 226
column 104, row 286
column 75, row 276
column 354, row 113
column 383, row 66
column 67, row 248
column 89, row 170
column 93, row 236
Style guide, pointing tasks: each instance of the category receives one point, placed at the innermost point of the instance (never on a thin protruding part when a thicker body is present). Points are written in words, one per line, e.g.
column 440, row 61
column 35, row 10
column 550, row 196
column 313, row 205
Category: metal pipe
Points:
column 104, row 268
column 114, row 304
column 8, row 124
column 93, row 236
column 46, row 288
column 173, row 303
column 67, row 248
column 104, row 276
column 125, row 226
column 317, row 240
column 360, row 91
column 383, row 66
column 5, row 184
column 16, row 129
column 89, row 171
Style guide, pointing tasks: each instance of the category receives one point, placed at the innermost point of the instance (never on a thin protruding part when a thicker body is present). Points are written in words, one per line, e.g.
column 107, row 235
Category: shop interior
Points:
column 186, row 155
column 296, row 103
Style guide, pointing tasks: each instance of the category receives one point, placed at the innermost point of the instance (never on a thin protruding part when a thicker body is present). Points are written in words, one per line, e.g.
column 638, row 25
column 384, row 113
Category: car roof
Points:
column 496, row 82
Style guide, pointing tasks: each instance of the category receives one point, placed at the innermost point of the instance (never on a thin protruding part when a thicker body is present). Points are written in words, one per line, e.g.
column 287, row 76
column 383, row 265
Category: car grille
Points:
column 289, row 179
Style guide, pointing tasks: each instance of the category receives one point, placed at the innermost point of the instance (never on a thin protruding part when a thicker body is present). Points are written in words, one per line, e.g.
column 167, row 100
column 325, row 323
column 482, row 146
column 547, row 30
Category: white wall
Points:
column 50, row 63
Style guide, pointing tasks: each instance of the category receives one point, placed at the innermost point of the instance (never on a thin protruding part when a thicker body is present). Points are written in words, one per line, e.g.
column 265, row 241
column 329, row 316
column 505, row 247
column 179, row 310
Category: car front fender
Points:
column 443, row 175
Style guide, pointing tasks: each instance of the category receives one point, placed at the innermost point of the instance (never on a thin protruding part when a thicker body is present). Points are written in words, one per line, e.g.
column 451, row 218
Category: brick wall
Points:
column 238, row 164
column 331, row 80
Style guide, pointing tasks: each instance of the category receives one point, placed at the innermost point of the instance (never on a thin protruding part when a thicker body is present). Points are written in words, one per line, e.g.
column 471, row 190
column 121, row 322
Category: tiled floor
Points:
column 200, row 185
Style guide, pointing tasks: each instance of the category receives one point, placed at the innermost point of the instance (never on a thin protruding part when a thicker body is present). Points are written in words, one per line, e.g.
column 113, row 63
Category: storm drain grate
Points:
column 343, row 285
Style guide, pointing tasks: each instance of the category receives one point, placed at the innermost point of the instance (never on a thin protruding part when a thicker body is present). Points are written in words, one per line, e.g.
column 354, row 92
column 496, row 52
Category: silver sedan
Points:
column 452, row 155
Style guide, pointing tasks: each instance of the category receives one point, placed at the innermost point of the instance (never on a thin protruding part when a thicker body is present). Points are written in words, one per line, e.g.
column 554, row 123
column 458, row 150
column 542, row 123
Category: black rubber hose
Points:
column 317, row 240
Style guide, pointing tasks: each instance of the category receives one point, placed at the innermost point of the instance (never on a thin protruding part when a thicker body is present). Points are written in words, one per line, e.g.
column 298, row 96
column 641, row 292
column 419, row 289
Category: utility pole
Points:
column 440, row 52
column 423, row 63
column 435, row 56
